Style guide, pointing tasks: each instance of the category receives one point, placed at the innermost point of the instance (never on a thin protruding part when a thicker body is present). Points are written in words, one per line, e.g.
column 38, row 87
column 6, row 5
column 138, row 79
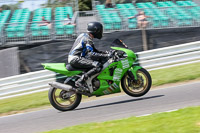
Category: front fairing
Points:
column 120, row 68
column 130, row 53
column 124, row 64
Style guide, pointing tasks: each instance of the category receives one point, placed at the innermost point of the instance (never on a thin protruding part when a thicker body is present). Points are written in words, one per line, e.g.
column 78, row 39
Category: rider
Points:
column 83, row 53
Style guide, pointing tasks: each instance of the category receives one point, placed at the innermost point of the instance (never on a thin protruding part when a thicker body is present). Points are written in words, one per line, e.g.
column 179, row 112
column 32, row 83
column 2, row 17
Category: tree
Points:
column 11, row 6
column 85, row 5
column 5, row 7
column 58, row 3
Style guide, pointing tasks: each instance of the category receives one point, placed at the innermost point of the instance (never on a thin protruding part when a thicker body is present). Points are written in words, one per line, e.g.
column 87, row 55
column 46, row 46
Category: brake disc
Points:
column 138, row 83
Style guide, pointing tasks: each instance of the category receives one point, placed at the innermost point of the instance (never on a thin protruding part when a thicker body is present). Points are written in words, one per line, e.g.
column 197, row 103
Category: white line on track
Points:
column 158, row 112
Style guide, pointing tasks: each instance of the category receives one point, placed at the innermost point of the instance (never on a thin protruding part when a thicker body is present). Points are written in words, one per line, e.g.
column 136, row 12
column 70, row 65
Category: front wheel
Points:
column 63, row 100
column 139, row 87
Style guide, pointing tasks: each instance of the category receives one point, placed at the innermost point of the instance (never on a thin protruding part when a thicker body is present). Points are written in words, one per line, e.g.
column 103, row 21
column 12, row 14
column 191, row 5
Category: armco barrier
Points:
column 174, row 55
column 153, row 59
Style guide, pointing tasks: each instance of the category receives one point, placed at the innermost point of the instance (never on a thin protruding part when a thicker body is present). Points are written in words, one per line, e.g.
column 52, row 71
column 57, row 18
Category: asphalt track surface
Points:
column 117, row 107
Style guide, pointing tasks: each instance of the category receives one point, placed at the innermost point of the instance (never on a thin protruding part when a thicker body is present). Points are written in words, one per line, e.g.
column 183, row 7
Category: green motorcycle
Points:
column 120, row 70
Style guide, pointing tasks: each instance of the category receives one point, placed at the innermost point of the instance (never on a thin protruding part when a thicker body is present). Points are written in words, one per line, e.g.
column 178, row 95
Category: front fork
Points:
column 132, row 72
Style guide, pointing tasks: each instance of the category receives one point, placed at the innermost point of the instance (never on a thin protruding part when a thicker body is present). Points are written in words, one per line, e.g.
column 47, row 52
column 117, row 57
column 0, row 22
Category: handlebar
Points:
column 117, row 55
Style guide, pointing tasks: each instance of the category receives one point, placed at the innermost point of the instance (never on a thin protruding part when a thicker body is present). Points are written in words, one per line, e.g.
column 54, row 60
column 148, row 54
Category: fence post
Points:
column 76, row 5
column 53, row 32
column 27, row 36
column 144, row 39
column 1, row 37
column 3, row 34
column 77, row 26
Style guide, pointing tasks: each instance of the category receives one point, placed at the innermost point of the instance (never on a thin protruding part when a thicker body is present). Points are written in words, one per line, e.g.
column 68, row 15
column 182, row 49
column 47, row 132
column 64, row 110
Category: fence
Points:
column 117, row 19
column 1, row 34
column 114, row 2
column 26, row 33
column 112, row 19
column 153, row 59
column 159, row 18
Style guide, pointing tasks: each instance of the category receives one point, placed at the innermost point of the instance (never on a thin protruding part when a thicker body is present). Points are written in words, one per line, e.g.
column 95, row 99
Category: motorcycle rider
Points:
column 83, row 54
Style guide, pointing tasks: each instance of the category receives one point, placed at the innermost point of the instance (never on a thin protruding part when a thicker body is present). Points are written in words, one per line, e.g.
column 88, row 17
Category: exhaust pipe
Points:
column 61, row 86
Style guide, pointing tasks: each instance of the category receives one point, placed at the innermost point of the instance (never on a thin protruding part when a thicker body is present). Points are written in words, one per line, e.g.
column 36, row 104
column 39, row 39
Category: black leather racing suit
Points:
column 84, row 55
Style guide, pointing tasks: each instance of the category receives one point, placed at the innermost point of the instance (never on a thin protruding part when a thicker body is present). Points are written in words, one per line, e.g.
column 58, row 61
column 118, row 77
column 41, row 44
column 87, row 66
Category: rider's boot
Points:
column 79, row 83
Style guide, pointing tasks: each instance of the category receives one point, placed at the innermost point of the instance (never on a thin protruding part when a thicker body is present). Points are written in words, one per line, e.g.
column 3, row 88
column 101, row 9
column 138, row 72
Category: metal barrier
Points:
column 153, row 59
column 170, row 56
column 30, row 82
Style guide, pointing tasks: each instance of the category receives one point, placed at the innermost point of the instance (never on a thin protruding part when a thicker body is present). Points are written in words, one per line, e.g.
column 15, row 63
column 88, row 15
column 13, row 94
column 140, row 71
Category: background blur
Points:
column 25, row 45
column 43, row 31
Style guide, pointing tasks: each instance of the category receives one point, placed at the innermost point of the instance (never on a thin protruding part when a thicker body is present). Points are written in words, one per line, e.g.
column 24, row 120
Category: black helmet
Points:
column 96, row 29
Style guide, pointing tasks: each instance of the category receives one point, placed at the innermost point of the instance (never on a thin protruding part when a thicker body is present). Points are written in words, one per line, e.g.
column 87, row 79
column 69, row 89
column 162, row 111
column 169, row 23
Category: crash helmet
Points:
column 96, row 29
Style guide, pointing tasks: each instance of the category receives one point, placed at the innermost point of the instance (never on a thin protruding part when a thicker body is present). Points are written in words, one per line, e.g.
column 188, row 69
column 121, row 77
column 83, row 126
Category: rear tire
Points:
column 138, row 88
column 55, row 100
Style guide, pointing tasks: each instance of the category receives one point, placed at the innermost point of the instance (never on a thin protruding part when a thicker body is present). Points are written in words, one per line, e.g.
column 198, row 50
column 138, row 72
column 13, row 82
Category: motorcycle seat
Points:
column 70, row 68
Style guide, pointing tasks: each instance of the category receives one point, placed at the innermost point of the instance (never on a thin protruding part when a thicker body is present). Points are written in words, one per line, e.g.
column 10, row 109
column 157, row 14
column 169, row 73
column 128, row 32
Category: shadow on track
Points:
column 120, row 102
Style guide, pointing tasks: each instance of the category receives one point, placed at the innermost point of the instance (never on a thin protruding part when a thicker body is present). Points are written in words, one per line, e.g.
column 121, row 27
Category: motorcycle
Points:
column 121, row 69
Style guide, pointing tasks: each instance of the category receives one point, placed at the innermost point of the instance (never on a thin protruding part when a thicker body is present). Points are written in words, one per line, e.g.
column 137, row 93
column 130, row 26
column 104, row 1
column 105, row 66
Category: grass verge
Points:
column 159, row 77
column 176, row 74
column 182, row 121
column 13, row 105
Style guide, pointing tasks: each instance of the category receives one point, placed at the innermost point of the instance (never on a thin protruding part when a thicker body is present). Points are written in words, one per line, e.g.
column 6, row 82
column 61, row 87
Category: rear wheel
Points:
column 63, row 100
column 139, row 87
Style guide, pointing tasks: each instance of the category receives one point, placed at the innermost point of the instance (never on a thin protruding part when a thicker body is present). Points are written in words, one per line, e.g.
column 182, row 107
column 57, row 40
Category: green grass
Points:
column 164, row 76
column 182, row 121
column 24, row 102
column 176, row 74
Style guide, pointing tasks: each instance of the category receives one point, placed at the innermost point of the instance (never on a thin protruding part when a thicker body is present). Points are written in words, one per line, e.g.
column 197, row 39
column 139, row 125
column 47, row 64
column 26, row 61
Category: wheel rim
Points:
column 136, row 87
column 61, row 101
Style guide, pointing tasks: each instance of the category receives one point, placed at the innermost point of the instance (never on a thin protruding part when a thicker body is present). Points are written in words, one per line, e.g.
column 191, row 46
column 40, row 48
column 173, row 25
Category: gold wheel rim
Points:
column 141, row 89
column 63, row 102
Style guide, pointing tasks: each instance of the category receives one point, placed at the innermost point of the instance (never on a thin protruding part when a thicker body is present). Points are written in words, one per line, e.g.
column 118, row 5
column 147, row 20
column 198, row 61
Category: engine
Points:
column 95, row 84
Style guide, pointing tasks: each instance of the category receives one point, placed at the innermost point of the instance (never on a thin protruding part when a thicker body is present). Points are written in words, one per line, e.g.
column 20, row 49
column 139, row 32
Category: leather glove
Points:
column 111, row 53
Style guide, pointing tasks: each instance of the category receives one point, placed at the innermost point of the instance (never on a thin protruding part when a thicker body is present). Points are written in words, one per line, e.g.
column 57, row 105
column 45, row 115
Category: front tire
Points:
column 137, row 88
column 58, row 101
